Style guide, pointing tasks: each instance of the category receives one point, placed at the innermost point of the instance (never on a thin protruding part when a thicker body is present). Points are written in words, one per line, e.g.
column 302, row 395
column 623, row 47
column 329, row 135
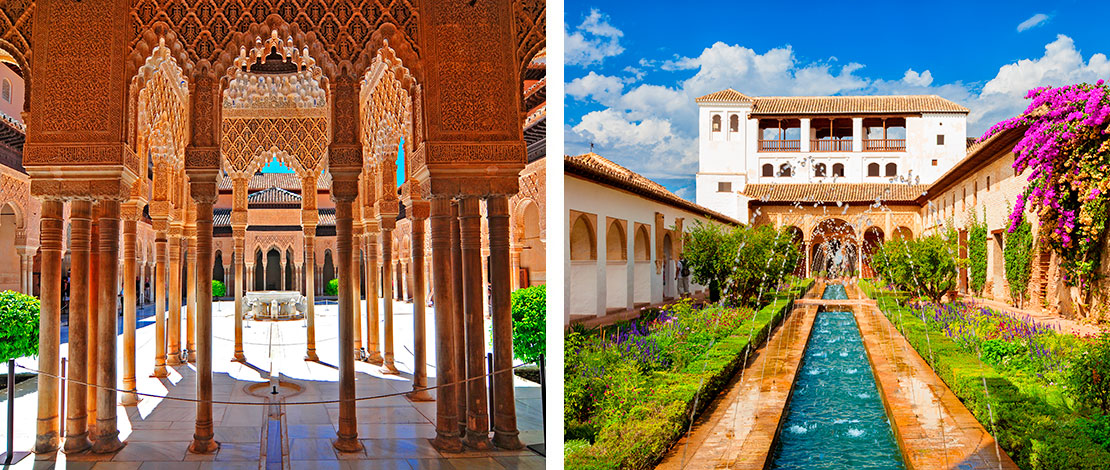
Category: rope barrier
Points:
column 315, row 402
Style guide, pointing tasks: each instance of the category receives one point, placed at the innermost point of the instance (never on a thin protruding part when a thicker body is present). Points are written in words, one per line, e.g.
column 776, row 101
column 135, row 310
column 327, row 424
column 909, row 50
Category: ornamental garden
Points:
column 966, row 341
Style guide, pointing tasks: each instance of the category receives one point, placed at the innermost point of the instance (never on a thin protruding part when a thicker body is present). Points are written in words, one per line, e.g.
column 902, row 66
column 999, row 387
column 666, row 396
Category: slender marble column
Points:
column 505, row 434
column 388, row 367
column 470, row 233
column 447, row 404
column 356, row 286
column 191, row 269
column 94, row 318
column 204, row 436
column 455, row 297
column 419, row 210
column 50, row 320
column 310, row 292
column 347, row 435
column 370, row 270
column 77, row 435
column 240, row 281
column 129, row 227
column 514, row 272
column 107, row 430
column 174, row 343
column 159, row 287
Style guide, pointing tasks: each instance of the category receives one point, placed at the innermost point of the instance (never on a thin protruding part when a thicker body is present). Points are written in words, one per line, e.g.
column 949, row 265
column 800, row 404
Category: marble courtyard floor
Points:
column 393, row 430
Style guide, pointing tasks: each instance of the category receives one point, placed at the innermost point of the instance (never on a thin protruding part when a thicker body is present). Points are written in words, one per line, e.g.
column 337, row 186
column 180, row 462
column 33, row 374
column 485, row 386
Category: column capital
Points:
column 203, row 183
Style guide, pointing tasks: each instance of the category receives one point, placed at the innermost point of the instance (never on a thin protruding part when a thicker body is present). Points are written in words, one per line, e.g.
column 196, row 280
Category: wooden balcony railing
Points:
column 884, row 145
column 780, row 145
column 830, row 145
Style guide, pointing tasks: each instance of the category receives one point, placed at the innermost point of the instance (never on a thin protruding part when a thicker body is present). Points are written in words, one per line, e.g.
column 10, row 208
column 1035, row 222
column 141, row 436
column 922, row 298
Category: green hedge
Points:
column 529, row 322
column 218, row 288
column 19, row 325
column 1032, row 421
column 332, row 288
column 664, row 415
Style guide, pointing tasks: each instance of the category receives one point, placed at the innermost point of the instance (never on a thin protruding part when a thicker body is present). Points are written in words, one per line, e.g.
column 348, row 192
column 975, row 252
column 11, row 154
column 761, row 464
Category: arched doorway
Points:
column 798, row 238
column 9, row 256
column 641, row 272
column 669, row 287
column 533, row 255
column 872, row 238
column 328, row 271
column 835, row 252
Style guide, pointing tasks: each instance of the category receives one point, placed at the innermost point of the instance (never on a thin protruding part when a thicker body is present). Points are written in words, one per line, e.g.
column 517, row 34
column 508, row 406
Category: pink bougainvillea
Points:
column 1066, row 148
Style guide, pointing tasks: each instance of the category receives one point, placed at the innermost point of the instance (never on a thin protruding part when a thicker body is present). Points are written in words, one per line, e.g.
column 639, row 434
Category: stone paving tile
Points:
column 381, row 464
column 739, row 426
column 158, row 451
column 399, row 448
column 430, row 464
column 117, row 465
column 475, row 463
column 935, row 429
column 524, row 462
column 311, row 449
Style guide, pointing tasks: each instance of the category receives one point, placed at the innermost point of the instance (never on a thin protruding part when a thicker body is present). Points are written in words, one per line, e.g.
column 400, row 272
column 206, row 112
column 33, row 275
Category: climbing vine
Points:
column 977, row 251
column 1018, row 252
column 1066, row 147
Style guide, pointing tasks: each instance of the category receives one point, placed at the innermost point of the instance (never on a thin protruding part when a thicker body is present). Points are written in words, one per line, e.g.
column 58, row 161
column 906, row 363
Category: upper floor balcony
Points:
column 835, row 134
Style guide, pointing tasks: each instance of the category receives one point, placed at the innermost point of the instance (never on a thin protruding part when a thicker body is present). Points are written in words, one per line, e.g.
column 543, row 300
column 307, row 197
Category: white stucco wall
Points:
column 596, row 286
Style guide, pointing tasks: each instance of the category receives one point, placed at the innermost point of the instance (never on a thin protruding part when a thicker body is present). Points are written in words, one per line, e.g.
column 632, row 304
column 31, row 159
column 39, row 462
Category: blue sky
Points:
column 277, row 167
column 634, row 68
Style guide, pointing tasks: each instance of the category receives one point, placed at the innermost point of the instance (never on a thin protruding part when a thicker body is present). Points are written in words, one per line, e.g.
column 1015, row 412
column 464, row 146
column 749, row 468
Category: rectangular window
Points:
column 934, row 162
column 940, row 139
column 724, row 186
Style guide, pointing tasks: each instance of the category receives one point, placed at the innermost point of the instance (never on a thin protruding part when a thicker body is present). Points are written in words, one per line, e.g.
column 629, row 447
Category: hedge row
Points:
column 1031, row 420
column 661, row 419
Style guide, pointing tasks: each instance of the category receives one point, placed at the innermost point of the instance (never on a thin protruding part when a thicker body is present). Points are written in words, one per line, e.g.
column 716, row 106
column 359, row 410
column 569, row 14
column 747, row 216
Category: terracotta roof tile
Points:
column 274, row 195
column 286, row 181
column 222, row 217
column 725, row 95
column 834, row 192
column 597, row 168
column 878, row 104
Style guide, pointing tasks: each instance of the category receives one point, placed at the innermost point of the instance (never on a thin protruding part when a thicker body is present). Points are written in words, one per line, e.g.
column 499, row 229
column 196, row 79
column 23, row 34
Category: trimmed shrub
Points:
column 977, row 252
column 332, row 288
column 1031, row 419
column 529, row 322
column 218, row 288
column 1018, row 252
column 19, row 325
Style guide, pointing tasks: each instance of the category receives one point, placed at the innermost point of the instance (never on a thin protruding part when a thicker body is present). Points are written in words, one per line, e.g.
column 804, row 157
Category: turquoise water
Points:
column 836, row 419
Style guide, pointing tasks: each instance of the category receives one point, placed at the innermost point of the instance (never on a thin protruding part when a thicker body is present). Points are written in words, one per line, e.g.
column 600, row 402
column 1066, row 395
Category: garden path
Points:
column 934, row 429
column 738, row 428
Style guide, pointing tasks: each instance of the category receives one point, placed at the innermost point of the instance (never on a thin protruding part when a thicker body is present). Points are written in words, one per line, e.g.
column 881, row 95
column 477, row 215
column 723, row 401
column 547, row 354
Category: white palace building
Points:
column 748, row 140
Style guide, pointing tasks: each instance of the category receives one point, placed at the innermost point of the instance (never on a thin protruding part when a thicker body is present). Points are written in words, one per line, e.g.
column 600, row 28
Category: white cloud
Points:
column 593, row 41
column 600, row 88
column 652, row 128
column 918, row 79
column 1032, row 22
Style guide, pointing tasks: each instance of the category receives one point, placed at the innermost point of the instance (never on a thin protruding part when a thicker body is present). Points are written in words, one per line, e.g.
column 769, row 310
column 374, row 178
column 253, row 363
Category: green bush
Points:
column 19, row 325
column 925, row 265
column 1018, row 252
column 529, row 322
column 625, row 410
column 977, row 252
column 332, row 288
column 1088, row 377
column 1030, row 419
column 743, row 260
column 218, row 288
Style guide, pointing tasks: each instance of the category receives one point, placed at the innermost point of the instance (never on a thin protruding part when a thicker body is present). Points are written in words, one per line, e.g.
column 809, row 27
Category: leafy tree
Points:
column 19, row 325
column 218, row 289
column 1018, row 252
column 744, row 260
column 926, row 265
column 977, row 252
column 529, row 322
column 332, row 288
column 709, row 251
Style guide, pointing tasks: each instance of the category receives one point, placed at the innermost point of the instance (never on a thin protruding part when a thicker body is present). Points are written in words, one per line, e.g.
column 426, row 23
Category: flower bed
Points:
column 630, row 390
column 1014, row 391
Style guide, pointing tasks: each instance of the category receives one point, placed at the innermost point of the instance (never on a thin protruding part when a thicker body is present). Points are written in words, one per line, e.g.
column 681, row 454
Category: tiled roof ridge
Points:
column 833, row 192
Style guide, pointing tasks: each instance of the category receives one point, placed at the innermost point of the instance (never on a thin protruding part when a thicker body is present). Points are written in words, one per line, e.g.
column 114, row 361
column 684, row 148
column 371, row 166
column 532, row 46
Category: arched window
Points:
column 734, row 123
column 582, row 243
column 784, row 170
column 873, row 169
column 838, row 170
column 891, row 169
column 716, row 123
column 768, row 170
column 615, row 243
column 819, row 170
column 6, row 90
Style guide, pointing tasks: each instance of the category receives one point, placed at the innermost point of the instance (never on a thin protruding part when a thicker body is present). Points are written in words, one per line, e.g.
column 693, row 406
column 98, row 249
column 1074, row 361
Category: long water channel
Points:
column 836, row 418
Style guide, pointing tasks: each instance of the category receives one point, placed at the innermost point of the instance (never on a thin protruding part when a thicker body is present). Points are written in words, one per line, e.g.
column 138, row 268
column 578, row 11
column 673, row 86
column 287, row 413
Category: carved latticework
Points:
column 531, row 30
column 15, row 28
column 163, row 112
column 343, row 27
column 385, row 109
column 299, row 143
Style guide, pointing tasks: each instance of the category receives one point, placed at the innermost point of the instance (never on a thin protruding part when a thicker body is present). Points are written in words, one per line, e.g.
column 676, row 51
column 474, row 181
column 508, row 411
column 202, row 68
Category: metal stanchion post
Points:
column 11, row 456
column 489, row 382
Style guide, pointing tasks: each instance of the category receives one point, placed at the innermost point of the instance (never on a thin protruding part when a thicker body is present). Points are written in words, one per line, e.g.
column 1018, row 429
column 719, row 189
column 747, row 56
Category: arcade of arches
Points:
column 143, row 164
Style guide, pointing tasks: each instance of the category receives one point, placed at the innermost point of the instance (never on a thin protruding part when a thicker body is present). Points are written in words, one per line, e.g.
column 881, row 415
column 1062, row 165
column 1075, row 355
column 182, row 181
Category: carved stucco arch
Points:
column 20, row 61
column 386, row 115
